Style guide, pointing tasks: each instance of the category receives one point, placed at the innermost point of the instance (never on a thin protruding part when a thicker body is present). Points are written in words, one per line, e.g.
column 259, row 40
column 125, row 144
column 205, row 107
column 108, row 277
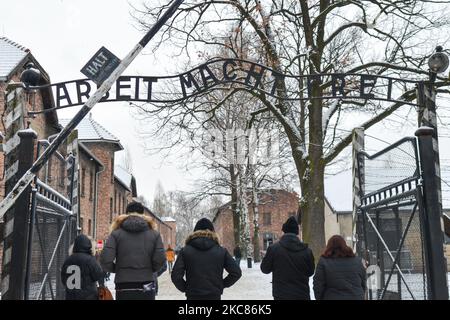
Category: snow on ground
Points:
column 253, row 285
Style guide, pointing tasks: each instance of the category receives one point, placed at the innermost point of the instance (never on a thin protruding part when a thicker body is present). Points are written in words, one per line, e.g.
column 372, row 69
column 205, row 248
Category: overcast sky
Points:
column 64, row 34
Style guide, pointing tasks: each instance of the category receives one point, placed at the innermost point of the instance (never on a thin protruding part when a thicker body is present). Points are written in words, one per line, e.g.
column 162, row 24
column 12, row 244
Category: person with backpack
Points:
column 198, row 270
column 134, row 252
column 291, row 263
column 80, row 272
column 340, row 275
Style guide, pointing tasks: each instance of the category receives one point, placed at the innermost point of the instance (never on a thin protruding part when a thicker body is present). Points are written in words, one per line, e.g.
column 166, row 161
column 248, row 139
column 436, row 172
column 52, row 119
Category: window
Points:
column 49, row 169
column 123, row 205
column 62, row 174
column 115, row 201
column 81, row 226
column 83, row 180
column 110, row 210
column 112, row 169
column 89, row 227
column 267, row 218
column 91, row 185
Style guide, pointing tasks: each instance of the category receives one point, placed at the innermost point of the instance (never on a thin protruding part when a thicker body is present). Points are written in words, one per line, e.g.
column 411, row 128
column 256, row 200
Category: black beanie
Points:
column 290, row 226
column 204, row 224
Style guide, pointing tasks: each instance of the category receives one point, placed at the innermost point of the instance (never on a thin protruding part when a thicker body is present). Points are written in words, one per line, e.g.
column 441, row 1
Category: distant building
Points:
column 165, row 226
column 275, row 207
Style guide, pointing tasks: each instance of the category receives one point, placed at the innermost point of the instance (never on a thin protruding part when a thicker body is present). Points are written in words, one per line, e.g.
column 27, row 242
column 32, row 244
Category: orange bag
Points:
column 104, row 293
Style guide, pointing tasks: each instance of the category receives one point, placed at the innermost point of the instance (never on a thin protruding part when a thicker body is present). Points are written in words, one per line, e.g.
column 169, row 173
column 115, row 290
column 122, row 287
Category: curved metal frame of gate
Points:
column 388, row 200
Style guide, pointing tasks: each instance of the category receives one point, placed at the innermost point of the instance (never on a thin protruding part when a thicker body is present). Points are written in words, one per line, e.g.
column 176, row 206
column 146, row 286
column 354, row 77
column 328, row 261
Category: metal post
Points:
column 15, row 262
column 399, row 241
column 27, row 178
column 358, row 178
column 32, row 221
column 434, row 236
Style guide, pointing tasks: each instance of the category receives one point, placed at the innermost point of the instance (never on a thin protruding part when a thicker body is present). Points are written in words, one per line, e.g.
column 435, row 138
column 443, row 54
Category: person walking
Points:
column 134, row 252
column 340, row 275
column 81, row 272
column 237, row 255
column 170, row 256
column 291, row 263
column 202, row 262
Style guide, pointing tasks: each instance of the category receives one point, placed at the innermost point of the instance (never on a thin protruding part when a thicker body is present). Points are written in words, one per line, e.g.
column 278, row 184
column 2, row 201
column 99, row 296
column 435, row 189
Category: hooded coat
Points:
column 292, row 263
column 134, row 250
column 89, row 271
column 340, row 279
column 203, row 260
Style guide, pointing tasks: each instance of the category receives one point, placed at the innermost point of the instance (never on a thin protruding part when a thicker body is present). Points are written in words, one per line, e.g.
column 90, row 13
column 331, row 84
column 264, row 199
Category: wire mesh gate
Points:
column 390, row 221
column 52, row 229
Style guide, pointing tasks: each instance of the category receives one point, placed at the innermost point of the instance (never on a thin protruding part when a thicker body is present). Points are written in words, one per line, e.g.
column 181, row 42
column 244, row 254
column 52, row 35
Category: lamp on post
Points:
column 30, row 76
column 436, row 267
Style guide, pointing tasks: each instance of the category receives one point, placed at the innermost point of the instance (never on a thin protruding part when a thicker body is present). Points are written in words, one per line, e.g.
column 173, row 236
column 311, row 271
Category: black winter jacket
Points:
column 202, row 261
column 292, row 263
column 340, row 279
column 134, row 250
column 89, row 271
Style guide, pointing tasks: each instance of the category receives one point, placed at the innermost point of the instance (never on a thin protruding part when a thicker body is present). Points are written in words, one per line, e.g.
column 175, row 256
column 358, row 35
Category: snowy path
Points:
column 253, row 285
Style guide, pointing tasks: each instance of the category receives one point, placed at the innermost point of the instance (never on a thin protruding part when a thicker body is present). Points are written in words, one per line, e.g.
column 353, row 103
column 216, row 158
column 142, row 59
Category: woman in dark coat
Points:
column 202, row 261
column 340, row 275
column 81, row 272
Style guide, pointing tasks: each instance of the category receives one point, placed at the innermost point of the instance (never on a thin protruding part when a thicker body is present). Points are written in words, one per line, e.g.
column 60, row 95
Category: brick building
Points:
column 165, row 226
column 275, row 207
column 13, row 60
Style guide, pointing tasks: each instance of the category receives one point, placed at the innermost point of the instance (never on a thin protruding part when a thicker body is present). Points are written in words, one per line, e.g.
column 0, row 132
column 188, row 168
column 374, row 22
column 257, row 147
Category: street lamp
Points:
column 30, row 76
column 437, row 63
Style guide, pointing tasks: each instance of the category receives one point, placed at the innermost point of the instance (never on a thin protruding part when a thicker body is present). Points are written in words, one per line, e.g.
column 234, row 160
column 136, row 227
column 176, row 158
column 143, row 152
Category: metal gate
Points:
column 391, row 226
column 52, row 229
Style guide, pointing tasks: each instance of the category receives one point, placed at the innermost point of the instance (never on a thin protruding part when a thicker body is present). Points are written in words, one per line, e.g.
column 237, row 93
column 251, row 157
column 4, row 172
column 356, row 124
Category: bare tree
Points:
column 390, row 38
column 161, row 204
column 127, row 161
column 187, row 211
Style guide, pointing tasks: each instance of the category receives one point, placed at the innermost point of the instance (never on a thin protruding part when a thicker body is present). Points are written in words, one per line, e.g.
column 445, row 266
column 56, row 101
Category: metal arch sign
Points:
column 239, row 73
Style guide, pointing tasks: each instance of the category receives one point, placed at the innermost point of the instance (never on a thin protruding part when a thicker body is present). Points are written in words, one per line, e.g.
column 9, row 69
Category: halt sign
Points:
column 101, row 65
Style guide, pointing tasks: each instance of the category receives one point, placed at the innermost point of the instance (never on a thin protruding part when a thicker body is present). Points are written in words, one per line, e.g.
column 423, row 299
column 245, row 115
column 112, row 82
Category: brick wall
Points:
column 171, row 239
column 279, row 205
column 104, row 152
column 86, row 188
column 39, row 123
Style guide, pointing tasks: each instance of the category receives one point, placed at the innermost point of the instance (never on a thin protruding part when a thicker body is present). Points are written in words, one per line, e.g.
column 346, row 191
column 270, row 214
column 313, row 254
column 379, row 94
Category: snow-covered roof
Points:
column 123, row 176
column 168, row 219
column 11, row 55
column 90, row 130
column 338, row 190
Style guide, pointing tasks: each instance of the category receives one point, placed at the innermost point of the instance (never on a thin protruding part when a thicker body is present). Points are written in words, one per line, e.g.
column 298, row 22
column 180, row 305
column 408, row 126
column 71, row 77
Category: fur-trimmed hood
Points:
column 133, row 222
column 203, row 239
